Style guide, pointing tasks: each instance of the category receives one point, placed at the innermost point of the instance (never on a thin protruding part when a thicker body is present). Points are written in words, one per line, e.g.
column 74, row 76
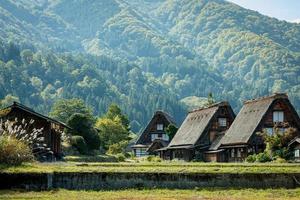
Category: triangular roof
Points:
column 195, row 125
column 296, row 140
column 146, row 130
column 249, row 118
column 31, row 111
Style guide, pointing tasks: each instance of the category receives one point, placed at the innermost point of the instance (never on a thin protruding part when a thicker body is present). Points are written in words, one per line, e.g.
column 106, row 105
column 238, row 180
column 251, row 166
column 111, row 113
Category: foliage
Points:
column 26, row 133
column 111, row 131
column 171, row 130
column 79, row 143
column 153, row 159
column 117, row 148
column 82, row 125
column 113, row 112
column 14, row 151
column 147, row 55
column 63, row 109
column 277, row 143
column 120, row 157
column 8, row 100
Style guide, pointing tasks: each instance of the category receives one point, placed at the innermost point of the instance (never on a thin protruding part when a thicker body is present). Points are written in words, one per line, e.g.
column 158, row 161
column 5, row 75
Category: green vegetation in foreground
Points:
column 164, row 167
column 214, row 194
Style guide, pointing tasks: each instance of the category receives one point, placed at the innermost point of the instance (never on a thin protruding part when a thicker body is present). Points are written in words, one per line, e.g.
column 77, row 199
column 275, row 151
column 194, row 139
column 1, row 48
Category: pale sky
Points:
column 288, row 10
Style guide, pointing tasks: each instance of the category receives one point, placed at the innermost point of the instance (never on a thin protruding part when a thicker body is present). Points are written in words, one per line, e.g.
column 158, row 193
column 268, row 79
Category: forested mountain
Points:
column 144, row 54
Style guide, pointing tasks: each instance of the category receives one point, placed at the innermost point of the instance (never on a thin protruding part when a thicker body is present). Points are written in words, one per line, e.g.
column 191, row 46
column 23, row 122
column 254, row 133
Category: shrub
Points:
column 263, row 157
column 120, row 157
column 79, row 143
column 153, row 159
column 82, row 125
column 14, row 151
column 117, row 147
column 251, row 158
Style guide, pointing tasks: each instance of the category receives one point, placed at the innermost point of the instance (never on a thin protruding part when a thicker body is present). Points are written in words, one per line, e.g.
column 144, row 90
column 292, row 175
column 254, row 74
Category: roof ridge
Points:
column 218, row 104
column 273, row 96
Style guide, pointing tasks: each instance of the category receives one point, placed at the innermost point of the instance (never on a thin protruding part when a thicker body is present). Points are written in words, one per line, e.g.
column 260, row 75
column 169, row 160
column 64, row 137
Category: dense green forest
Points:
column 144, row 54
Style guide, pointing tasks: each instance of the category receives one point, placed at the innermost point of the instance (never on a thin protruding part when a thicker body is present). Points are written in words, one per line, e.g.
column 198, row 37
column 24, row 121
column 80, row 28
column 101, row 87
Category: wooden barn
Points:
column 257, row 115
column 51, row 129
column 154, row 136
column 201, row 130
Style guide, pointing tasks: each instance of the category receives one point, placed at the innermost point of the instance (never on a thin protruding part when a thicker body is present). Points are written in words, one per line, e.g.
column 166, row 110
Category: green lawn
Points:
column 166, row 167
column 203, row 194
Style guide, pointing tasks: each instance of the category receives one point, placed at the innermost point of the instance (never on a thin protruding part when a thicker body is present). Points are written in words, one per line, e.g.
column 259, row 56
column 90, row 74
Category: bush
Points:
column 79, row 143
column 251, row 158
column 263, row 157
column 14, row 151
column 120, row 157
column 82, row 125
column 153, row 159
column 117, row 148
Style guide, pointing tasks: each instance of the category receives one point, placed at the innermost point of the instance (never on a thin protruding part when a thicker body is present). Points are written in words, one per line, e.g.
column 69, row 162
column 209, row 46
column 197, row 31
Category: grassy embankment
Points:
column 163, row 167
column 203, row 194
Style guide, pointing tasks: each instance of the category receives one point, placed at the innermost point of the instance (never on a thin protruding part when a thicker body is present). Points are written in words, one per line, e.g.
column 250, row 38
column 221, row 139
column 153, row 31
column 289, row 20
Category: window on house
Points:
column 160, row 127
column 141, row 152
column 232, row 153
column 239, row 154
column 278, row 116
column 154, row 136
column 165, row 137
column 269, row 131
column 297, row 153
column 281, row 130
column 222, row 122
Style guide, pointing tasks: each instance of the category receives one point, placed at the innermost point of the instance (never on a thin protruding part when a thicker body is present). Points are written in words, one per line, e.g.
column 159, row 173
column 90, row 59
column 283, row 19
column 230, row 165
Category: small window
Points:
column 141, row 152
column 160, row 127
column 154, row 136
column 278, row 116
column 297, row 153
column 269, row 131
column 239, row 154
column 281, row 130
column 222, row 122
column 165, row 137
column 232, row 153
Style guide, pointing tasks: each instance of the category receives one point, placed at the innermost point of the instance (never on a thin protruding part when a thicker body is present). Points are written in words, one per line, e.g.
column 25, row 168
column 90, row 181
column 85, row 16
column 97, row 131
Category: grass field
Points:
column 203, row 194
column 166, row 167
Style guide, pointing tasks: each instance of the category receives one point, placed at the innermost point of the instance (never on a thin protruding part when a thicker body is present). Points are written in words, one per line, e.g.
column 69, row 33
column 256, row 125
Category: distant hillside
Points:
column 146, row 54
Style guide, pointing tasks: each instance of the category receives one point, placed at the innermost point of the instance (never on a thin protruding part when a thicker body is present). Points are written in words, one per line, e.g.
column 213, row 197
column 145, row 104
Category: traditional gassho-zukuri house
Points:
column 201, row 129
column 257, row 115
column 51, row 129
column 154, row 136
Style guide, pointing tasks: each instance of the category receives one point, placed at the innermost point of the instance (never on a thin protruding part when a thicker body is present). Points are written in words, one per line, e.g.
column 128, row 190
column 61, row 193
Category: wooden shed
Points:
column 51, row 128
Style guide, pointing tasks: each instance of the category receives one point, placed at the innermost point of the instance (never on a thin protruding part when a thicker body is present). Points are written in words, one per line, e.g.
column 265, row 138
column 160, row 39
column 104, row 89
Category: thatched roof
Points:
column 194, row 126
column 31, row 111
column 249, row 118
column 147, row 129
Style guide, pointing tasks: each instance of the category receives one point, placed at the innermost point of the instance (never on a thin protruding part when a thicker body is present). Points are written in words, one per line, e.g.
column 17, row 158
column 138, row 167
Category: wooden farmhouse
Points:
column 51, row 129
column 199, row 134
column 258, row 115
column 154, row 136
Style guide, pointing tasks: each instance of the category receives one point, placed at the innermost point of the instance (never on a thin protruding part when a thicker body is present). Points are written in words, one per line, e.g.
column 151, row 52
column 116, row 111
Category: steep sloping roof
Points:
column 194, row 125
column 159, row 112
column 294, row 141
column 31, row 111
column 248, row 119
column 216, row 143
